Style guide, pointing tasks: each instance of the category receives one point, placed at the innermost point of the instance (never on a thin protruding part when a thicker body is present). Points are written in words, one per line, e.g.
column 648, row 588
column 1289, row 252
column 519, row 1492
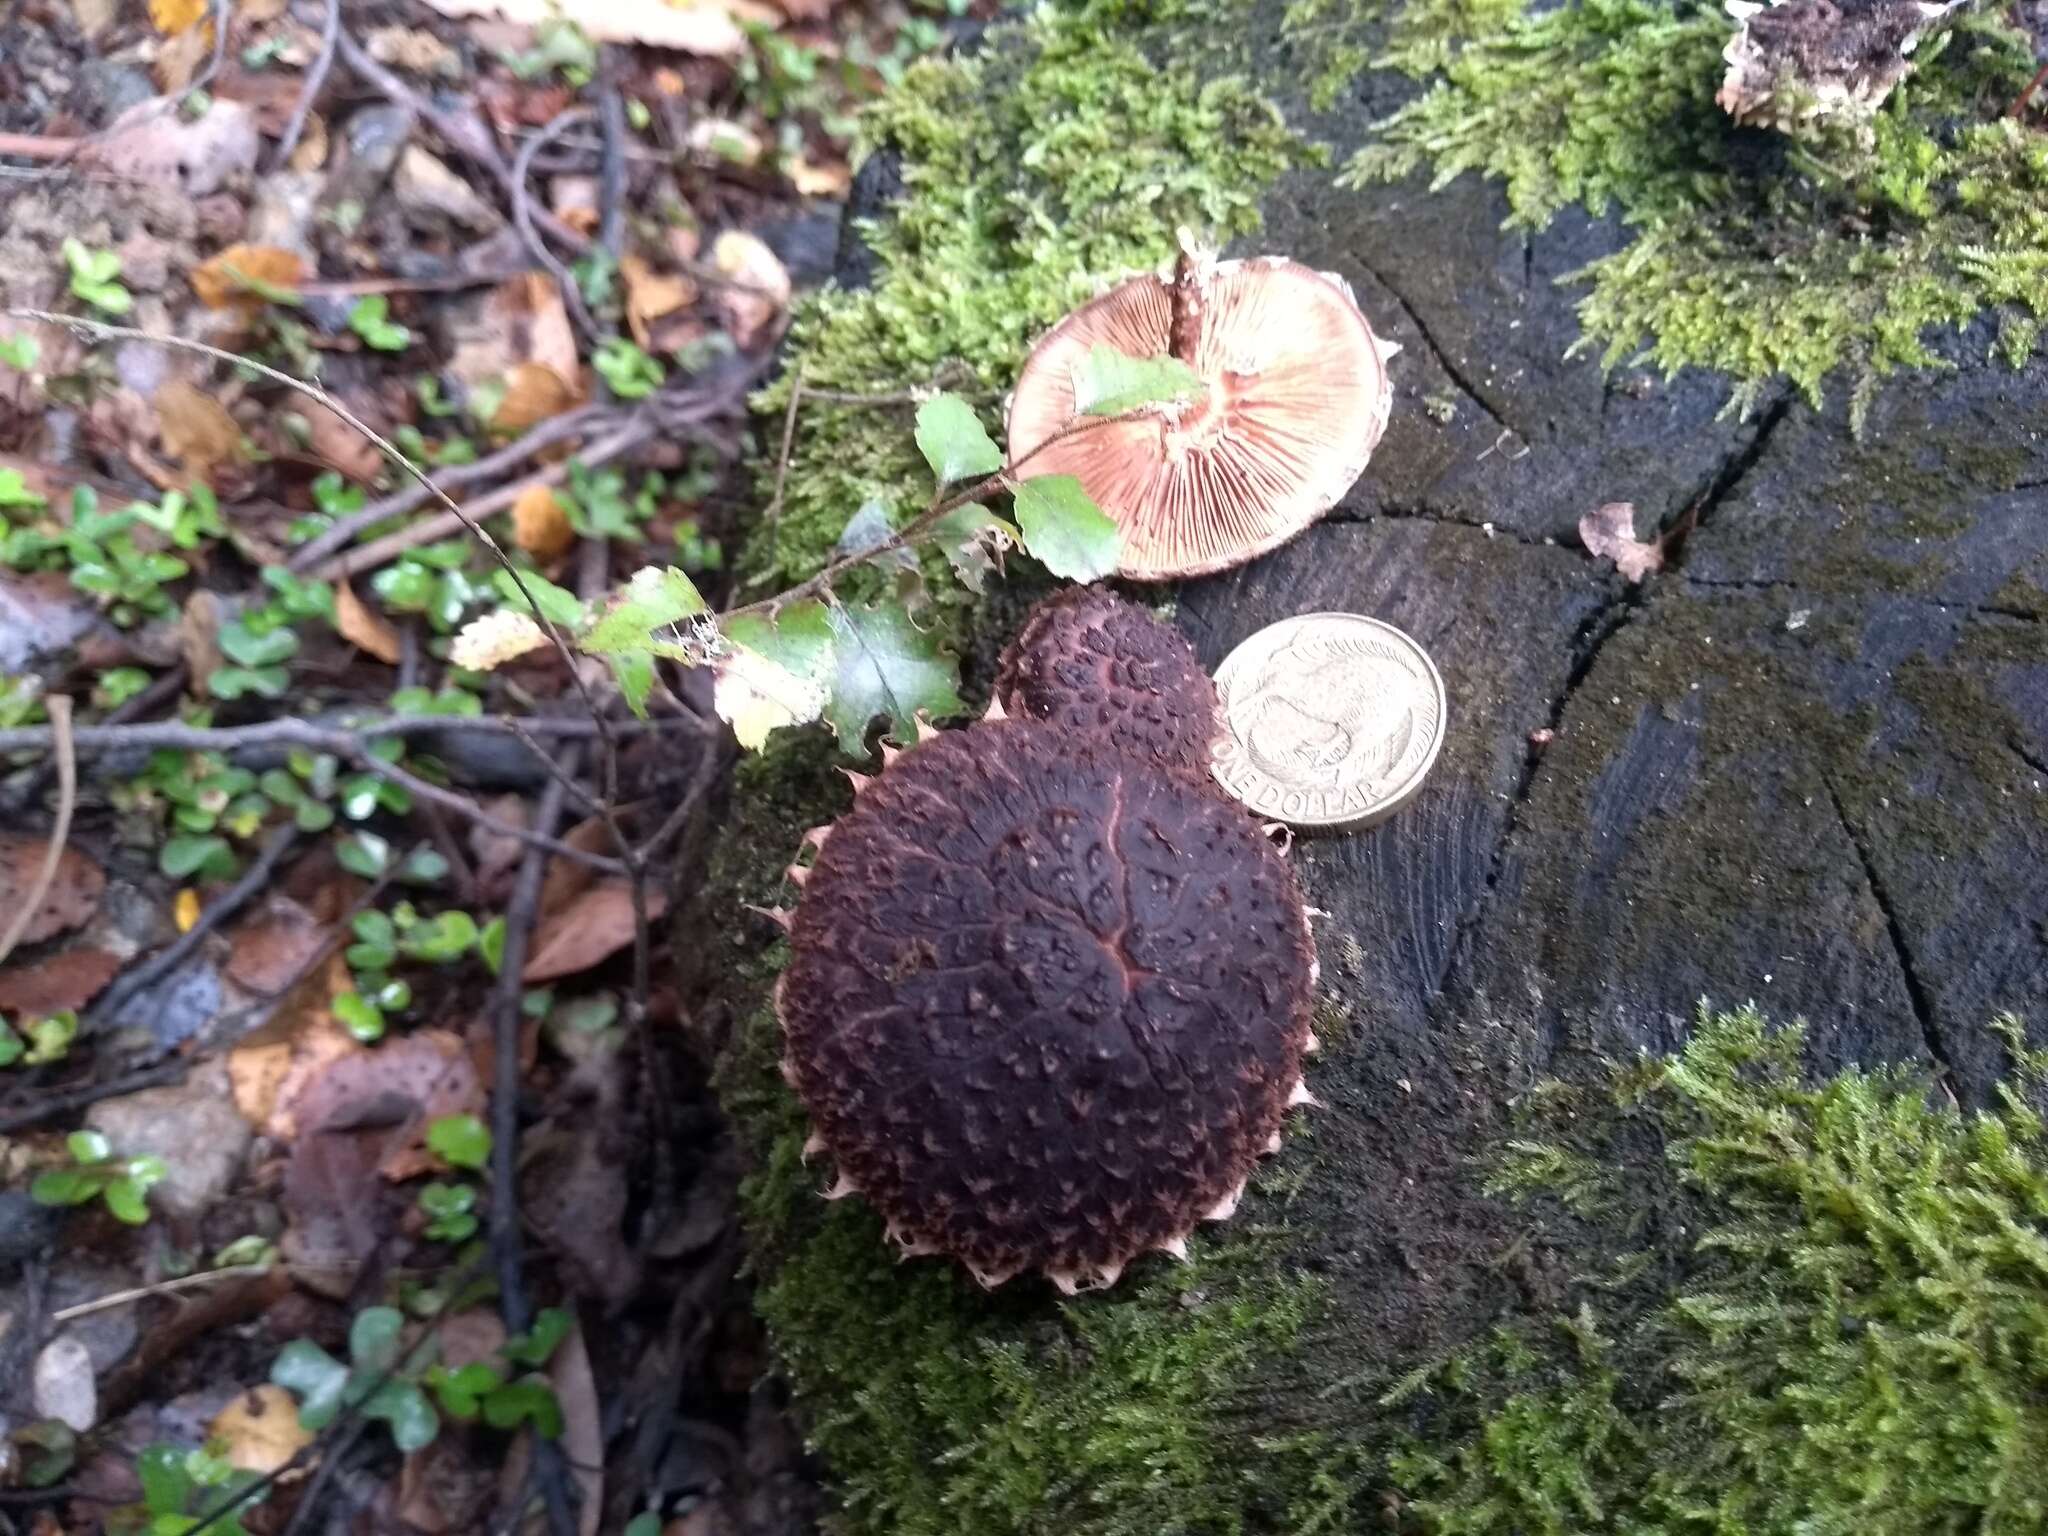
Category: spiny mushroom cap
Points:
column 1297, row 400
column 1046, row 1007
column 1087, row 661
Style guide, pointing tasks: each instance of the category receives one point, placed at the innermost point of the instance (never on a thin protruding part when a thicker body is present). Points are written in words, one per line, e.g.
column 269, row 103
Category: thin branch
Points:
column 611, row 113
column 161, row 1288
column 254, row 879
column 178, row 736
column 507, row 1239
column 522, row 218
column 49, row 1105
column 58, row 706
column 309, row 89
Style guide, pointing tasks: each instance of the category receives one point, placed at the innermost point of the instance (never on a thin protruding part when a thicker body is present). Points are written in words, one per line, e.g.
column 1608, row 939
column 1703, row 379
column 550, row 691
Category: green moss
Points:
column 1760, row 257
column 1055, row 160
column 1857, row 1344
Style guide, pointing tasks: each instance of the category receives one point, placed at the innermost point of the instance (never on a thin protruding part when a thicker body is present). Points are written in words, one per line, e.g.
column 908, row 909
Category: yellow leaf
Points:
column 238, row 273
column 650, row 295
column 363, row 627
column 187, row 909
column 196, row 428
column 260, row 1429
column 533, row 393
column 755, row 696
column 496, row 638
column 174, row 16
column 539, row 525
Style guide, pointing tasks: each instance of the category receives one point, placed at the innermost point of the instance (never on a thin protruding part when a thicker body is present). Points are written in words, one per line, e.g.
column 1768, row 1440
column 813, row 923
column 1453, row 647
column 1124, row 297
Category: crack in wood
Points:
column 1456, row 374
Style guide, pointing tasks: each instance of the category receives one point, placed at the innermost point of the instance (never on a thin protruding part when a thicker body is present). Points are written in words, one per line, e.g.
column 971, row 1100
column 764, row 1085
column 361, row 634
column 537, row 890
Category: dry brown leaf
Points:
column 311, row 152
column 272, row 1067
column 651, row 294
column 256, row 12
column 94, row 16
column 398, row 1088
column 533, row 393
column 522, row 320
column 74, row 895
column 178, row 59
column 709, row 30
column 758, row 288
column 829, row 178
column 197, row 429
column 582, row 1425
column 199, row 636
column 171, row 17
column 591, row 928
column 260, row 1429
column 153, row 141
column 566, row 879
column 70, row 980
column 411, row 48
column 335, row 1213
column 352, row 455
column 267, row 949
column 223, row 280
column 1609, row 533
column 539, row 525
column 363, row 627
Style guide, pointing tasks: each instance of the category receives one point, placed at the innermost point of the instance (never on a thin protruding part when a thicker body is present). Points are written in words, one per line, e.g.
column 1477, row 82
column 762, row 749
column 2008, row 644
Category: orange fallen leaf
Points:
column 539, row 525
column 260, row 1430
column 197, row 428
column 239, row 274
column 651, row 294
column 363, row 627
column 533, row 393
column 270, row 1068
column 591, row 928
column 68, row 980
column 171, row 17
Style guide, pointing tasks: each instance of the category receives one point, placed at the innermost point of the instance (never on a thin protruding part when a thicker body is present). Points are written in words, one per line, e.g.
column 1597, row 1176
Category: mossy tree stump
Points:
column 1805, row 765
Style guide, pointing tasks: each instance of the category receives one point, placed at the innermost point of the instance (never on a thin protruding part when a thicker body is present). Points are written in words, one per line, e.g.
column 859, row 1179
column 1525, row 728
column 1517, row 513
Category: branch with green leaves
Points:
column 803, row 654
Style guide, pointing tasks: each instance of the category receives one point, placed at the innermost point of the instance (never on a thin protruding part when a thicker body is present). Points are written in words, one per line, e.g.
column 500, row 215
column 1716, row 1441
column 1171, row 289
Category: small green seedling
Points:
column 462, row 1141
column 122, row 1183
column 370, row 318
column 378, row 1382
column 630, row 372
column 494, row 1394
column 19, row 352
column 39, row 1041
column 96, row 278
column 451, row 1211
column 181, row 1489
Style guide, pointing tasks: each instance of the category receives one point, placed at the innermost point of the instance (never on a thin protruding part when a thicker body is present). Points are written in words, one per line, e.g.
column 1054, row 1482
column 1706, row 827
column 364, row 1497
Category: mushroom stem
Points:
column 1190, row 293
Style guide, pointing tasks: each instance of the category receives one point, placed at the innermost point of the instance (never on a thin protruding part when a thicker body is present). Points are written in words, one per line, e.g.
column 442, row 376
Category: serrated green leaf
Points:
column 1109, row 382
column 1065, row 531
column 885, row 665
column 777, row 673
column 558, row 604
column 657, row 598
column 953, row 441
column 318, row 1379
column 633, row 671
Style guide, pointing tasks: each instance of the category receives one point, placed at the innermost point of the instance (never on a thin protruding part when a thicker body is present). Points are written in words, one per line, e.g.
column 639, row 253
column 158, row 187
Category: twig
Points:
column 254, row 879
column 773, row 515
column 514, row 454
column 507, row 1239
column 48, row 1106
column 309, row 89
column 471, row 141
column 178, row 736
column 476, row 529
column 161, row 1288
column 162, row 691
column 611, row 117
column 522, row 218
column 58, row 706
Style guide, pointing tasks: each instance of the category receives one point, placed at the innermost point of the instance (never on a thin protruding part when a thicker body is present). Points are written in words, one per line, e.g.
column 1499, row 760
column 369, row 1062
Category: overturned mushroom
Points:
column 1087, row 661
column 1295, row 399
column 1046, row 1007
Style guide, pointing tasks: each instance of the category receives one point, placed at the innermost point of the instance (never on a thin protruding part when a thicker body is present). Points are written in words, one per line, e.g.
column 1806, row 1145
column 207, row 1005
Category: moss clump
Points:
column 1053, row 161
column 1750, row 254
column 1858, row 1343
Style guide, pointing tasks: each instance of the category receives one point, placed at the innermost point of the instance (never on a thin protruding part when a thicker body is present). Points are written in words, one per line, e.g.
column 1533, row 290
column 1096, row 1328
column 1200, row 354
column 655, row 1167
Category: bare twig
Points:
column 309, row 89
column 512, row 456
column 507, row 1239
column 49, row 1105
column 58, row 707
column 773, row 516
column 254, row 879
column 178, row 736
column 161, row 1288
column 611, row 116
column 523, row 220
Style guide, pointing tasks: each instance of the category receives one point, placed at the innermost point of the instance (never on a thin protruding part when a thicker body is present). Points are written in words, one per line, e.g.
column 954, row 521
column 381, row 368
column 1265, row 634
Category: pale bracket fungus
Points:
column 1294, row 399
column 1795, row 65
column 1087, row 661
column 1046, row 1006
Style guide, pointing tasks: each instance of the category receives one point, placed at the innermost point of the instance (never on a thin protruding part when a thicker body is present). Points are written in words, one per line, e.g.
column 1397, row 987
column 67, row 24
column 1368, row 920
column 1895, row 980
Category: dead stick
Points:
column 58, row 706
column 309, row 91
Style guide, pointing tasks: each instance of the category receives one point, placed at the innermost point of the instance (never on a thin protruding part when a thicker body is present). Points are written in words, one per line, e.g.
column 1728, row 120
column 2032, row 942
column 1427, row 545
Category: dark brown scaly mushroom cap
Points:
column 1296, row 398
column 1086, row 660
column 1046, row 1007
